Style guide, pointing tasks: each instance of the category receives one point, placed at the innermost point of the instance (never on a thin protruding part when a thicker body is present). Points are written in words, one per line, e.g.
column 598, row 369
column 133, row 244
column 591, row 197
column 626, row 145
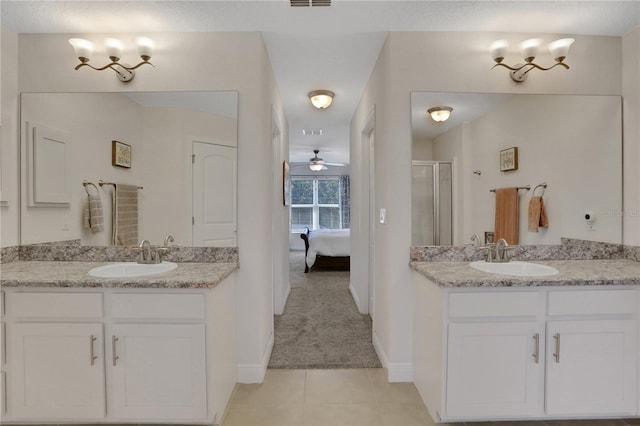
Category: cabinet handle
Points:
column 536, row 347
column 556, row 337
column 92, row 340
column 115, row 357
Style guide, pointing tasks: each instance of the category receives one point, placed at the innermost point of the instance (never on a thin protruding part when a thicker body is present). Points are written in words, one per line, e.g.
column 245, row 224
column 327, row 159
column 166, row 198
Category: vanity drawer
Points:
column 494, row 304
column 592, row 302
column 55, row 305
column 157, row 306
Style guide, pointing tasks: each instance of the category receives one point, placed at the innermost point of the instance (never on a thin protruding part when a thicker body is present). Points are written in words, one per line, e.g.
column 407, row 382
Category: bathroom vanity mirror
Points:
column 179, row 148
column 573, row 143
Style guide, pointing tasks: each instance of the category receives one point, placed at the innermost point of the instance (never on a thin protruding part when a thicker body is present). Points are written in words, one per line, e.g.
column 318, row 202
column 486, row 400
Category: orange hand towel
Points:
column 506, row 225
column 537, row 214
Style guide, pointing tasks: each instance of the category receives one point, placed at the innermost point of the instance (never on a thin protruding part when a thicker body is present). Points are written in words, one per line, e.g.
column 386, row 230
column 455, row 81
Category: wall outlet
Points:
column 383, row 216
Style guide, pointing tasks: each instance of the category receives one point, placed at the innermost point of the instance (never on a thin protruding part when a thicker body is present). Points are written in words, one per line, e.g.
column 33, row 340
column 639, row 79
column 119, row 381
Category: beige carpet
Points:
column 321, row 326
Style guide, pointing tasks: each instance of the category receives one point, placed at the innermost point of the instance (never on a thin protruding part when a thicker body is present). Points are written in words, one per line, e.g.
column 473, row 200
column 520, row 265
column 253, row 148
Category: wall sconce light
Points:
column 529, row 48
column 321, row 99
column 114, row 47
column 440, row 113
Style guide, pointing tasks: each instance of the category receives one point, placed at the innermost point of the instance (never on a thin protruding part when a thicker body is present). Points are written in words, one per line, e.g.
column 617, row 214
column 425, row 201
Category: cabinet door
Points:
column 494, row 370
column 157, row 371
column 591, row 367
column 57, row 371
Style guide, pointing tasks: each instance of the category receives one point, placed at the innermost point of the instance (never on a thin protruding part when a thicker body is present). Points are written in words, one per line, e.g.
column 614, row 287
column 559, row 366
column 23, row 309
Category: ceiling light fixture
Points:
column 440, row 113
column 114, row 47
column 316, row 163
column 559, row 50
column 321, row 99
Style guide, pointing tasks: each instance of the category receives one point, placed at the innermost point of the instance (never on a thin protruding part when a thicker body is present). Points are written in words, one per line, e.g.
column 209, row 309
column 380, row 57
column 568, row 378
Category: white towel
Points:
column 93, row 218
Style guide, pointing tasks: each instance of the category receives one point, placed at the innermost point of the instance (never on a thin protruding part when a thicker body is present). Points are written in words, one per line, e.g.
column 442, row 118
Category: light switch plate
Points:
column 383, row 216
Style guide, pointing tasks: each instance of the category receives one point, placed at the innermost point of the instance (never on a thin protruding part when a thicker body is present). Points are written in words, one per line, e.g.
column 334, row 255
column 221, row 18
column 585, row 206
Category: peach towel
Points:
column 507, row 215
column 537, row 214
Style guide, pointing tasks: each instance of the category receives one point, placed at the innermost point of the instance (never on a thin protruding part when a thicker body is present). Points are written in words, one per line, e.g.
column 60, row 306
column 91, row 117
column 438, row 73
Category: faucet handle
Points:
column 168, row 239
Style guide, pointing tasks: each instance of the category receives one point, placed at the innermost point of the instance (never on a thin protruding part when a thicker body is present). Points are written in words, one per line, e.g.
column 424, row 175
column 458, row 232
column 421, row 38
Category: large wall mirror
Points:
column 572, row 143
column 179, row 148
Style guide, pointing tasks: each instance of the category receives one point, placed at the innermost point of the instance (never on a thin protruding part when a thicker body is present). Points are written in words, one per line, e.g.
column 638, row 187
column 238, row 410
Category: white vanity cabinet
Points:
column 120, row 355
column 57, row 371
column 526, row 353
column 491, row 369
column 156, row 356
column 592, row 352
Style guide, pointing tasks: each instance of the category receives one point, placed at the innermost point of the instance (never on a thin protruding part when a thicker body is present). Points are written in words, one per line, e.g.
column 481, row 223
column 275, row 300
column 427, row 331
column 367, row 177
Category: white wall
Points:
column 200, row 61
column 441, row 61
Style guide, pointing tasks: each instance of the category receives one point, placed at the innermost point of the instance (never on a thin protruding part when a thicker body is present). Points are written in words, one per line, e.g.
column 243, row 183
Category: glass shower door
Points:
column 431, row 207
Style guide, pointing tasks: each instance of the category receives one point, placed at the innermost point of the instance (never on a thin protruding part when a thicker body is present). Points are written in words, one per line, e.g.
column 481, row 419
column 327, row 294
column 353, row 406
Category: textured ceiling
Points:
column 332, row 48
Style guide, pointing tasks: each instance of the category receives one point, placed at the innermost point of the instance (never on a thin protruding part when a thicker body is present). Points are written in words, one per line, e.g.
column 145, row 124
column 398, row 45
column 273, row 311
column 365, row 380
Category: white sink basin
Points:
column 515, row 268
column 131, row 269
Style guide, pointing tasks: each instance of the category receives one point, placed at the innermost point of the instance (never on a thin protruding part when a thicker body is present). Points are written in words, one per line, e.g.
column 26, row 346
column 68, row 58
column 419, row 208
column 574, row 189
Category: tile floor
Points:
column 355, row 397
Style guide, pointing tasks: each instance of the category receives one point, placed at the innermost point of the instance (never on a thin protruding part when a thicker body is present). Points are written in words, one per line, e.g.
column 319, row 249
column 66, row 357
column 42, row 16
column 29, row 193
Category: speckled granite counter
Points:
column 571, row 273
column 76, row 274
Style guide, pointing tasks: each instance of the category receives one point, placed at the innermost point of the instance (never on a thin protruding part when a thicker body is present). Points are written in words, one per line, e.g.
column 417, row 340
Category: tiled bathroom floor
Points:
column 355, row 397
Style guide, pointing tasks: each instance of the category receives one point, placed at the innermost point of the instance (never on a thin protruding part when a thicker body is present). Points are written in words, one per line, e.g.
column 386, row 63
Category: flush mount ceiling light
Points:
column 321, row 99
column 114, row 47
column 559, row 50
column 440, row 113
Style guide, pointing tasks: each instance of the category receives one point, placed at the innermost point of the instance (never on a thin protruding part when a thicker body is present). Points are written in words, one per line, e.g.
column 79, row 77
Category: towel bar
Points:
column 528, row 188
column 101, row 182
column 87, row 183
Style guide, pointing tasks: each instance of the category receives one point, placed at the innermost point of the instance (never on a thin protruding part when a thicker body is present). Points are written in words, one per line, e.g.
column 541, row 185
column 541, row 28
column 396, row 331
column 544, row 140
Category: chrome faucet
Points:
column 501, row 250
column 168, row 239
column 145, row 252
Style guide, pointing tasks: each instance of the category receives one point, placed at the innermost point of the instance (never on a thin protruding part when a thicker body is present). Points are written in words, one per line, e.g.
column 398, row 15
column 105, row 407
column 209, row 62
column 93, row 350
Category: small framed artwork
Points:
column 286, row 184
column 509, row 159
column 120, row 154
column 488, row 237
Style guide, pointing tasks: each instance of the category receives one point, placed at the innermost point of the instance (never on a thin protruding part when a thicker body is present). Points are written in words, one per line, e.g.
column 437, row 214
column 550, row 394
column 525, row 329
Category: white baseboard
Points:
column 283, row 302
column 362, row 309
column 397, row 371
column 254, row 373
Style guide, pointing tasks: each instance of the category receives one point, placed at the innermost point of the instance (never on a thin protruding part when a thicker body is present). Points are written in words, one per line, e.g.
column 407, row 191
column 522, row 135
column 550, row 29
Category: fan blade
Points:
column 335, row 164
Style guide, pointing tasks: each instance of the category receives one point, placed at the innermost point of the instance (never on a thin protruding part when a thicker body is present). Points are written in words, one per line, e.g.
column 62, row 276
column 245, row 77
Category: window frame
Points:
column 315, row 215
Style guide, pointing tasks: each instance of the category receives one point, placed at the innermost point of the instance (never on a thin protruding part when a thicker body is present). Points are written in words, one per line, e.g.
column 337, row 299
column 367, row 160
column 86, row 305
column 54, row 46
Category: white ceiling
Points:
column 331, row 48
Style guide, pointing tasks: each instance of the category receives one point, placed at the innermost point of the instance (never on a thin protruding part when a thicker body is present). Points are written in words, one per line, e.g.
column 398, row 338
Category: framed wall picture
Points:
column 509, row 159
column 120, row 154
column 286, row 184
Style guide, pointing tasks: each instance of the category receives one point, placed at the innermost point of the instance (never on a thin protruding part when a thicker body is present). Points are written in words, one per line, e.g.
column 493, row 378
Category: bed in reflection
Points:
column 327, row 249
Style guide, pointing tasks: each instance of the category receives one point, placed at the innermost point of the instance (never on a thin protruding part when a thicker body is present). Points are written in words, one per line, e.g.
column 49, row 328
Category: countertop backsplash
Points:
column 569, row 249
column 79, row 253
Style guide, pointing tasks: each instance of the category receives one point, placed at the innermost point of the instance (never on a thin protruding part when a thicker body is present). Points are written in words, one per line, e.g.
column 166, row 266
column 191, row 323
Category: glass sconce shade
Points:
column 145, row 47
column 560, row 48
column 83, row 48
column 529, row 48
column 114, row 48
column 498, row 50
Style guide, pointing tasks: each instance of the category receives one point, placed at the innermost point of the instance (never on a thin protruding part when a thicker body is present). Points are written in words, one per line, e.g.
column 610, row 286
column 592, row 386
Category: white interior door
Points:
column 215, row 188
column 372, row 221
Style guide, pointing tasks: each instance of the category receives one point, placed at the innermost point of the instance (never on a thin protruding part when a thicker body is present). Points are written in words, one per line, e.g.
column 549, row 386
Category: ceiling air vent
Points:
column 306, row 3
column 312, row 132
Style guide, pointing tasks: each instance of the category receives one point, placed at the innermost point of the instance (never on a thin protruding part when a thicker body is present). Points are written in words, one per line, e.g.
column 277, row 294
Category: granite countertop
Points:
column 571, row 273
column 76, row 274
